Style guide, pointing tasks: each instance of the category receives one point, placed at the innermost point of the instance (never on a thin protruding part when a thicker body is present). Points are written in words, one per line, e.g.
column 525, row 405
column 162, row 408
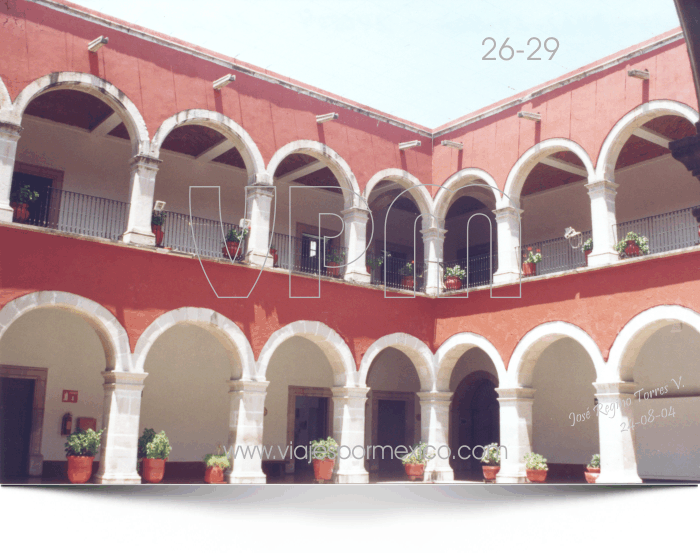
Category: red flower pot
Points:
column 232, row 249
column 21, row 213
column 536, row 476
column 333, row 269
column 159, row 233
column 79, row 469
column 414, row 471
column 632, row 249
column 490, row 472
column 591, row 474
column 453, row 283
column 273, row 252
column 586, row 253
column 529, row 268
column 323, row 469
column 407, row 282
column 214, row 475
column 369, row 270
column 153, row 470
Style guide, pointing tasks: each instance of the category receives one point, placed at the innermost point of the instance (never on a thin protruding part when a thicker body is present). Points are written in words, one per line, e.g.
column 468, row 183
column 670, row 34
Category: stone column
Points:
column 603, row 219
column 9, row 136
column 618, row 459
column 435, row 431
column 508, row 230
column 349, row 432
column 433, row 243
column 355, row 220
column 259, row 212
column 246, row 431
column 120, row 420
column 141, row 190
column 516, row 432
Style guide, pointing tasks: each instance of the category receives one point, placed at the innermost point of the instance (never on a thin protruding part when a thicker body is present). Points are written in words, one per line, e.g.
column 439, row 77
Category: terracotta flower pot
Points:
column 159, row 233
column 232, row 249
column 323, row 469
column 214, row 475
column 529, row 268
column 414, row 471
column 490, row 472
column 407, row 282
column 587, row 253
column 536, row 476
column 153, row 470
column 21, row 213
column 79, row 469
column 275, row 257
column 333, row 269
column 453, row 283
column 591, row 474
column 632, row 249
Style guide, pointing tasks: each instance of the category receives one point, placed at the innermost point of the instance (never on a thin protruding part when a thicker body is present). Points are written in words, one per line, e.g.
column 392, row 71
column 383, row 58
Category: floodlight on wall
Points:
column 639, row 73
column 244, row 223
column 453, row 144
column 677, row 327
column 575, row 238
column 223, row 81
column 532, row 116
column 160, row 206
column 96, row 44
column 326, row 117
column 409, row 144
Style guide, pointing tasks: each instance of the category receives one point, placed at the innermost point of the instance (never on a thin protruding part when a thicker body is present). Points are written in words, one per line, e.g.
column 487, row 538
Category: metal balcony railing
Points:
column 666, row 232
column 479, row 271
column 209, row 235
column 395, row 273
column 305, row 257
column 557, row 254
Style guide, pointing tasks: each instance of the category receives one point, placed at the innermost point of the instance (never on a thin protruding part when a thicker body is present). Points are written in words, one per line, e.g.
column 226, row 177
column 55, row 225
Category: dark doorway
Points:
column 310, row 423
column 310, row 253
column 16, row 404
column 39, row 209
column 391, row 431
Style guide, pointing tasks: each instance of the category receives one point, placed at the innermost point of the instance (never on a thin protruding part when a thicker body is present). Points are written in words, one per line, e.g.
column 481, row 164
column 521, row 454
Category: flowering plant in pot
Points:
column 531, row 260
column 373, row 263
column 215, row 466
column 19, row 201
column 234, row 238
column 323, row 455
column 593, row 470
column 153, row 450
column 633, row 245
column 536, row 467
column 407, row 272
column 587, row 247
column 414, row 462
column 491, row 461
column 157, row 222
column 334, row 259
column 454, row 277
column 81, row 448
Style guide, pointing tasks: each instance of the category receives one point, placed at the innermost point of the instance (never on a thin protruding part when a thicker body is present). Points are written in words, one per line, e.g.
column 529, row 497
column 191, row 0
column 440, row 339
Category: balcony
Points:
column 395, row 273
column 303, row 256
column 557, row 255
column 666, row 232
column 479, row 269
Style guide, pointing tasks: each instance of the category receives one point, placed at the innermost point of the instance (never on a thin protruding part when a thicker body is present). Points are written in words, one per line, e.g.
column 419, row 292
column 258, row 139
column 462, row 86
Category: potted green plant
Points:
column 587, row 248
column 593, row 470
column 81, row 449
column 323, row 455
column 633, row 245
column 215, row 466
column 454, row 277
column 414, row 462
column 153, row 450
column 334, row 260
column 157, row 222
column 373, row 263
column 406, row 271
column 234, row 238
column 491, row 461
column 536, row 467
column 531, row 261
column 19, row 201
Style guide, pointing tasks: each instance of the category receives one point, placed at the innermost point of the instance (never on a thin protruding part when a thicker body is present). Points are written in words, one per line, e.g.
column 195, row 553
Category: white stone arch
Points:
column 530, row 347
column 407, row 180
column 5, row 98
column 451, row 350
column 331, row 344
column 623, row 129
column 630, row 340
column 417, row 351
column 340, row 168
column 232, row 339
column 522, row 168
column 110, row 332
column 240, row 138
column 467, row 176
column 99, row 88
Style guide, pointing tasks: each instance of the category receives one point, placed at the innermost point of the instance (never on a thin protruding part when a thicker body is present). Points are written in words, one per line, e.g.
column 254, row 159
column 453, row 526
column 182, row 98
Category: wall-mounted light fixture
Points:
column 223, row 81
column 160, row 206
column 453, row 144
column 532, row 116
column 326, row 117
column 409, row 144
column 96, row 44
column 639, row 73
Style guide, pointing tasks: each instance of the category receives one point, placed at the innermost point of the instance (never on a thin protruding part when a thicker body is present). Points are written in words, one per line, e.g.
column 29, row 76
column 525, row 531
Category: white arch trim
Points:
column 417, row 351
column 530, row 347
column 467, row 176
column 5, row 98
column 240, row 138
column 632, row 337
column 451, row 350
column 96, row 87
column 406, row 180
column 522, row 168
column 623, row 129
column 340, row 168
column 229, row 335
column 111, row 333
column 336, row 350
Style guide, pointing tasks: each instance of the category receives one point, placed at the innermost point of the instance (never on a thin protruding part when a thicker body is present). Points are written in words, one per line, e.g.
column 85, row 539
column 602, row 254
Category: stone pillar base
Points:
column 612, row 477
column 36, row 465
column 247, row 478
column 358, row 277
column 258, row 259
column 511, row 479
column 6, row 214
column 361, row 477
column 114, row 478
column 440, row 475
column 140, row 238
column 596, row 260
column 505, row 277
